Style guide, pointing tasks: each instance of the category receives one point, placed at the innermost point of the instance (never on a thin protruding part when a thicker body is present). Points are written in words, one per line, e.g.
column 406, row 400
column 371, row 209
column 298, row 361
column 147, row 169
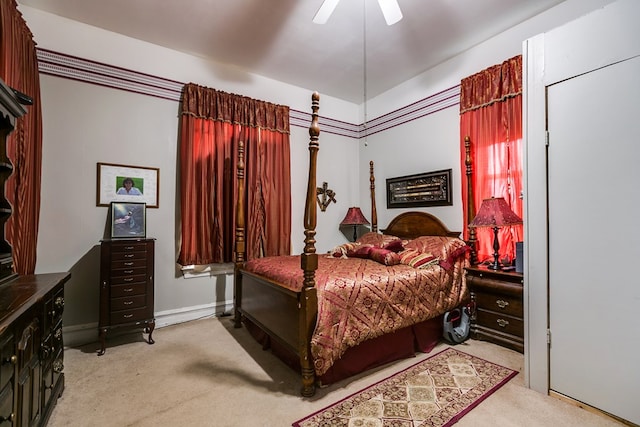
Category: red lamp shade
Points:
column 354, row 217
column 495, row 212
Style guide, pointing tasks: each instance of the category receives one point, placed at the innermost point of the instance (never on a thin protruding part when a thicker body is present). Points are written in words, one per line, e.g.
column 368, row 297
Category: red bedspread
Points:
column 359, row 299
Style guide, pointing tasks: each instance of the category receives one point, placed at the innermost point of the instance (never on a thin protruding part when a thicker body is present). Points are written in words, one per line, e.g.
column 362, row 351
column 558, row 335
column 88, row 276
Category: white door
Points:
column 594, row 238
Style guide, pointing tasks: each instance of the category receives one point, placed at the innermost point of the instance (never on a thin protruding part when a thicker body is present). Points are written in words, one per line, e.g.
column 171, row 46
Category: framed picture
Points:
column 122, row 183
column 425, row 189
column 128, row 219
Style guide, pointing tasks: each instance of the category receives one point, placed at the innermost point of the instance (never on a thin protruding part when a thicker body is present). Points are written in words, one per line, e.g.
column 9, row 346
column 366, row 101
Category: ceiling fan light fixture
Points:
column 325, row 11
column 391, row 11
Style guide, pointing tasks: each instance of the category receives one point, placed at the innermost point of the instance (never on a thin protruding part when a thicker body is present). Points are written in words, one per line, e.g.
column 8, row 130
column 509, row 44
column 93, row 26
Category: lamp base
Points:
column 495, row 266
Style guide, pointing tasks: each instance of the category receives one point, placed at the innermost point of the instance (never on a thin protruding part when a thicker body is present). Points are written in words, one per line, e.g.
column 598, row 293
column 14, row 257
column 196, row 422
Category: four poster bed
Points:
column 362, row 304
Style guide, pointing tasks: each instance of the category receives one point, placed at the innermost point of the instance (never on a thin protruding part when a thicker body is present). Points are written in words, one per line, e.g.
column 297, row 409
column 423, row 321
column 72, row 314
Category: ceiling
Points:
column 276, row 38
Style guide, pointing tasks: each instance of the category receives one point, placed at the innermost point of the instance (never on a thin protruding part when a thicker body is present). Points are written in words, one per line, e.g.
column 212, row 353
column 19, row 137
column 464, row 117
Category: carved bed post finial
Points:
column 374, row 212
column 309, row 260
column 239, row 247
column 471, row 208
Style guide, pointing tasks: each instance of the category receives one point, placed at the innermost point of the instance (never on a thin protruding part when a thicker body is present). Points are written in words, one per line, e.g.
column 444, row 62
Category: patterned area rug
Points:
column 435, row 392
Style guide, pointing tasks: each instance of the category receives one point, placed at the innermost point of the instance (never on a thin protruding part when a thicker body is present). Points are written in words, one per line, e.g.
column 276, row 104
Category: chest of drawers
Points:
column 126, row 286
column 499, row 314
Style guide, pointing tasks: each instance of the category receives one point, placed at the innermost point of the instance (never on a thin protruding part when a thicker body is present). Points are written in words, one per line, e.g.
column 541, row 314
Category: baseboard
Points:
column 589, row 408
column 77, row 335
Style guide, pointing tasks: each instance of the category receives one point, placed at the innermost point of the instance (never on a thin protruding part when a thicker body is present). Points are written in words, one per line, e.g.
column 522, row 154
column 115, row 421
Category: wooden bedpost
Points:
column 309, row 260
column 471, row 208
column 240, row 248
column 372, row 186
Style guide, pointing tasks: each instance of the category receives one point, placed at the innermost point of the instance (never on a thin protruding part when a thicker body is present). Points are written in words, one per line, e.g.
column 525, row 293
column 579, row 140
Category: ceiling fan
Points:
column 390, row 10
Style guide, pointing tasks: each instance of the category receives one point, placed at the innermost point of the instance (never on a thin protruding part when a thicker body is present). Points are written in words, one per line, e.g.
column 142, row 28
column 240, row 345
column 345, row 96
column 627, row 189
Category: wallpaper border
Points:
column 88, row 71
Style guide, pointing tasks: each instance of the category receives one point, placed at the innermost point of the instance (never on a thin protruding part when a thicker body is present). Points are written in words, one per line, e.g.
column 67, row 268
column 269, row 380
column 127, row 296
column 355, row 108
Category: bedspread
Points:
column 359, row 299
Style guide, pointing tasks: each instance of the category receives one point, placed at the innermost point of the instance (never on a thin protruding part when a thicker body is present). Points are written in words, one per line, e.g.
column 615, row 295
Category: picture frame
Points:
column 128, row 220
column 143, row 184
column 420, row 190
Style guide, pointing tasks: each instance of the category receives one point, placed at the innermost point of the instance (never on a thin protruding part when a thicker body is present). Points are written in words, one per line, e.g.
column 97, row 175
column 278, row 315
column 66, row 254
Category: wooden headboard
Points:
column 410, row 225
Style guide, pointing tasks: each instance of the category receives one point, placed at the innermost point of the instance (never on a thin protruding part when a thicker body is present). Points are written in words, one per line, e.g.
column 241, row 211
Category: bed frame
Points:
column 288, row 317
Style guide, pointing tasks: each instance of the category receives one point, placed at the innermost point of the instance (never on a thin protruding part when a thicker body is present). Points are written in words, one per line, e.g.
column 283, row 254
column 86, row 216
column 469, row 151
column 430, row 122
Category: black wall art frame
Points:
column 128, row 220
column 420, row 190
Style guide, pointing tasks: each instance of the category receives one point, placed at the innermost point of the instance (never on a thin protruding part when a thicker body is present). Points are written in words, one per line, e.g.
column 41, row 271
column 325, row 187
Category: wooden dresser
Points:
column 498, row 316
column 126, row 286
column 31, row 348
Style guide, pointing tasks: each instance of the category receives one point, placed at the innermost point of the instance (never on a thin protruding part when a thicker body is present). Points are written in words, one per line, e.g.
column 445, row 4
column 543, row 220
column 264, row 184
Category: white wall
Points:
column 85, row 124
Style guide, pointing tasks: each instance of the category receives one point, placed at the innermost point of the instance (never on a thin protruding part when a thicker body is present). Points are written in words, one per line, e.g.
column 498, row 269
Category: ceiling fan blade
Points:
column 325, row 11
column 390, row 10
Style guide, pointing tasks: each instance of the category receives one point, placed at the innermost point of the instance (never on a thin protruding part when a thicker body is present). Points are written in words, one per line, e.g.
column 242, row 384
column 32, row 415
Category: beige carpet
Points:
column 206, row 373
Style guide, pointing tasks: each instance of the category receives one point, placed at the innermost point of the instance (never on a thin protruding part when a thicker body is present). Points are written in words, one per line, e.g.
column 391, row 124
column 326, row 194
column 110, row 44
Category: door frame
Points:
column 596, row 40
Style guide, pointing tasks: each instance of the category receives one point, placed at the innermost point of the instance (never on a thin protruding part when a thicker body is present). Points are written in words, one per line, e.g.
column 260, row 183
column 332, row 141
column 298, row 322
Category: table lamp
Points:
column 354, row 217
column 496, row 213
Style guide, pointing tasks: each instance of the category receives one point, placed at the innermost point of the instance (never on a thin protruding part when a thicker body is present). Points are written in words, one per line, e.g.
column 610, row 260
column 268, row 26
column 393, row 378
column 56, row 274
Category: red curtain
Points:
column 19, row 70
column 212, row 125
column 491, row 115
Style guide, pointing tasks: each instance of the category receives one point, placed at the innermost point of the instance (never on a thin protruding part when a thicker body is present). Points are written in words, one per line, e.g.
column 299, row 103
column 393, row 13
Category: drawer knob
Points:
column 502, row 303
column 502, row 322
column 10, row 418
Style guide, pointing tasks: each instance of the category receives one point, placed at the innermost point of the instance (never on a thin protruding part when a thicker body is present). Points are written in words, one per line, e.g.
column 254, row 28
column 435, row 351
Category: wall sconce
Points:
column 354, row 217
column 495, row 212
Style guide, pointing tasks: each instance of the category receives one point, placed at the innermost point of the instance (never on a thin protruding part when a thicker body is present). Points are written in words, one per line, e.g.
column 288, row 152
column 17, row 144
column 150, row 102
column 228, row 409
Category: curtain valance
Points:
column 493, row 84
column 211, row 104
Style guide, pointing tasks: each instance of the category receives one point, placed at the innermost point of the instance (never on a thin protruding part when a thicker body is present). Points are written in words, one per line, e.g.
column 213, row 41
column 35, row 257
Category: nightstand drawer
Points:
column 500, row 322
column 505, row 304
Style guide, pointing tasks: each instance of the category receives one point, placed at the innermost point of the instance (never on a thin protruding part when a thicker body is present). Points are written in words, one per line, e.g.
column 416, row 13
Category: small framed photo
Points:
column 128, row 220
column 122, row 183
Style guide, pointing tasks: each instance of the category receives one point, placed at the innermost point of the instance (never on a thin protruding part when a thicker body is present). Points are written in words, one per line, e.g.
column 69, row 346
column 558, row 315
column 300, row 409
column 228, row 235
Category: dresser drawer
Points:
column 505, row 304
column 8, row 355
column 127, row 316
column 128, row 246
column 123, row 264
column 128, row 290
column 499, row 322
column 128, row 272
column 128, row 303
column 127, row 256
column 128, row 280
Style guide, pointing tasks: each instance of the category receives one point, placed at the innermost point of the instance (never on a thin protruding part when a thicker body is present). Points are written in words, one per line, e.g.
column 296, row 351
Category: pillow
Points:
column 394, row 245
column 439, row 246
column 361, row 251
column 341, row 251
column 384, row 256
column 376, row 239
column 417, row 259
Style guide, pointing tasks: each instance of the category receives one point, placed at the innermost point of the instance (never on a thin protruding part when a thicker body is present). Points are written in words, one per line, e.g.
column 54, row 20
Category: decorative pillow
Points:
column 417, row 259
column 361, row 251
column 341, row 251
column 384, row 256
column 439, row 246
column 376, row 239
column 394, row 245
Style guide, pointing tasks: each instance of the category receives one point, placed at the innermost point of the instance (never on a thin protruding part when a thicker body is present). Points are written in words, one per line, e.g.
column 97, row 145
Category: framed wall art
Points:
column 122, row 183
column 128, row 220
column 425, row 189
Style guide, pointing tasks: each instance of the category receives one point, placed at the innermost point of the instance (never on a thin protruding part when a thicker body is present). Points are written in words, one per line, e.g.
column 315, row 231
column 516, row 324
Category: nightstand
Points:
column 498, row 316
